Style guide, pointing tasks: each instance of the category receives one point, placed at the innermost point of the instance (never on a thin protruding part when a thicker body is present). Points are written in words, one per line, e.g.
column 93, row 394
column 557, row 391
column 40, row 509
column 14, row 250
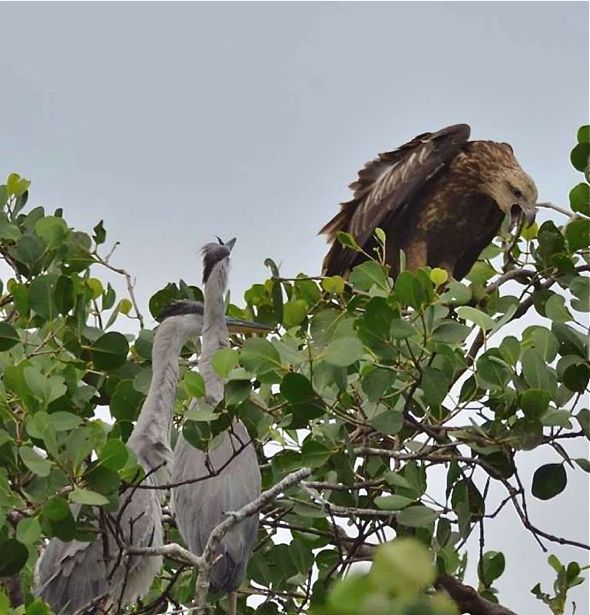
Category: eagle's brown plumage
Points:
column 440, row 198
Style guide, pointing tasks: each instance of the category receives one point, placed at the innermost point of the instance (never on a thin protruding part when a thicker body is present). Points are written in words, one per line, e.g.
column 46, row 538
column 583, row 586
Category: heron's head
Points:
column 216, row 258
column 186, row 318
column 515, row 194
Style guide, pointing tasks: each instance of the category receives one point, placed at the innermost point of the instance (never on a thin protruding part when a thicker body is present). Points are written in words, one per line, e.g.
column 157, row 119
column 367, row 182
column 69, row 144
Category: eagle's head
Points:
column 515, row 194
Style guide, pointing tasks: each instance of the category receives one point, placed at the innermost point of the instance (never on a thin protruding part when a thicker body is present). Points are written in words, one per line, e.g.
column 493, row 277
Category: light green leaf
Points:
column 479, row 318
column 343, row 351
column 224, row 360
column 34, row 461
column 85, row 496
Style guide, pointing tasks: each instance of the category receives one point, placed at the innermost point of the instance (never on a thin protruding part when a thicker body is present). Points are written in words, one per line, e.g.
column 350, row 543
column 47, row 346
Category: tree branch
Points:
column 205, row 561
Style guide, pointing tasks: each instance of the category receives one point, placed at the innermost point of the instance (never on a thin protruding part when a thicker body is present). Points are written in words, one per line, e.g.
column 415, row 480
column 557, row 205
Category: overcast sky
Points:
column 178, row 122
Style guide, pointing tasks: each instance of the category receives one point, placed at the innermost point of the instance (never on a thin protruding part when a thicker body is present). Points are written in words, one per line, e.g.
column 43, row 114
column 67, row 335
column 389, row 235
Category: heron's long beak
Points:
column 527, row 211
column 235, row 325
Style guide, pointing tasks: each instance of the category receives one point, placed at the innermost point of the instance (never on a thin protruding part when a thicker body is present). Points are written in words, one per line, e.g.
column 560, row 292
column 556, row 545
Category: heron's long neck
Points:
column 215, row 334
column 150, row 439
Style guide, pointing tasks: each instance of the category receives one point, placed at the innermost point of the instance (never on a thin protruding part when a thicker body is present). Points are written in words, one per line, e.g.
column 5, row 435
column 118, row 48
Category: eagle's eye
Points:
column 517, row 193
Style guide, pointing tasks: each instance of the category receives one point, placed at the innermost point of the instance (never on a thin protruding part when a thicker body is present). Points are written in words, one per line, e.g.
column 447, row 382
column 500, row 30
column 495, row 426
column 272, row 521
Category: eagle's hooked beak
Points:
column 522, row 210
column 235, row 325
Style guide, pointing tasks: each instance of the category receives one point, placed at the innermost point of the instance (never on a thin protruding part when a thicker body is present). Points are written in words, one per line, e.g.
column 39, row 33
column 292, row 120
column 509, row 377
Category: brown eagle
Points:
column 440, row 198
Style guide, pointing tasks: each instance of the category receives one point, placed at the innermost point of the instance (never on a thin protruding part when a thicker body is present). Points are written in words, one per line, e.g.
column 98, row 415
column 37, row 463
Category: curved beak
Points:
column 235, row 325
column 527, row 211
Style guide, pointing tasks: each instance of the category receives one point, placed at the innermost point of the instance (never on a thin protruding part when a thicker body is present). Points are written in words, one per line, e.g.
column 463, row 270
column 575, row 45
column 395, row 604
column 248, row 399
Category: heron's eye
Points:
column 517, row 193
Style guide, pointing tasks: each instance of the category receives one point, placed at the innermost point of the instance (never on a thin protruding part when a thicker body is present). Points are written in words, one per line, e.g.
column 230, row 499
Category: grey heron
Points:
column 230, row 472
column 92, row 577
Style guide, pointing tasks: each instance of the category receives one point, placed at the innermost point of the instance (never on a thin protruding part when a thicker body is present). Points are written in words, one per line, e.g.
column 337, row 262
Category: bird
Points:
column 439, row 198
column 229, row 473
column 91, row 577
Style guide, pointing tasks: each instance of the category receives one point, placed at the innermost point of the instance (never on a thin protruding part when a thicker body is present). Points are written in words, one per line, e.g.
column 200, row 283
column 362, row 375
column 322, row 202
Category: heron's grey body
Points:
column 231, row 468
column 81, row 577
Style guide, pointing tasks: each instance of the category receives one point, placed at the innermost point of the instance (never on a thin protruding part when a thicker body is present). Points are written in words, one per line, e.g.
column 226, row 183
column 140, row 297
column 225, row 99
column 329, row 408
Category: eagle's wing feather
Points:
column 385, row 185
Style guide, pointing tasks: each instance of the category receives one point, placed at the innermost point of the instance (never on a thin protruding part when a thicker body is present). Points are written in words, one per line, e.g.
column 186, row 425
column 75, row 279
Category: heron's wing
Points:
column 73, row 575
column 384, row 186
column 200, row 507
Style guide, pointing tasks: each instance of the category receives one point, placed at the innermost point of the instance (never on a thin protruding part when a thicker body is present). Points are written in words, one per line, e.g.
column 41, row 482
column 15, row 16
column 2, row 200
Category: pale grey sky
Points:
column 178, row 122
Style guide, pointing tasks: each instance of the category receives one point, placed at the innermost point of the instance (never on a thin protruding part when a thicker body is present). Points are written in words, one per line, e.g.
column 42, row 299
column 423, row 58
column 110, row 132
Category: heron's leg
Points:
column 233, row 603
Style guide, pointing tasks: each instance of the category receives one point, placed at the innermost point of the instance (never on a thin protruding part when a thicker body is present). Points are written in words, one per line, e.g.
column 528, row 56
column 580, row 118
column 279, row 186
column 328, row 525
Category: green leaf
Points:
column 126, row 401
column 555, row 309
column 41, row 296
column 56, row 509
column 388, row 422
column 583, row 418
column 34, row 461
column 580, row 199
column 580, row 288
column 194, row 384
column 348, row 241
column 534, row 403
column 294, row 312
column 417, row 516
column 491, row 567
column 16, row 185
column 28, row 531
column 575, row 377
column 583, row 135
column 409, row 290
column 400, row 329
column 52, row 229
column 64, row 421
column 368, row 274
column 548, row 481
column 8, row 336
column 479, row 318
column 296, row 388
column 333, row 284
column 577, row 234
column 110, row 351
column 14, row 557
column 580, row 155
column 392, row 502
column 450, row 333
column 85, row 496
column 535, row 370
column 403, row 567
column 113, row 455
column 314, row 454
column 224, row 360
column 43, row 387
column 435, row 386
column 259, row 356
column 344, row 351
column 439, row 276
column 347, row 595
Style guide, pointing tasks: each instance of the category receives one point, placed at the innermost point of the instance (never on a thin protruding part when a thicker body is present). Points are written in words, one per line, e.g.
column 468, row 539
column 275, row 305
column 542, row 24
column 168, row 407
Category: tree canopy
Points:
column 405, row 397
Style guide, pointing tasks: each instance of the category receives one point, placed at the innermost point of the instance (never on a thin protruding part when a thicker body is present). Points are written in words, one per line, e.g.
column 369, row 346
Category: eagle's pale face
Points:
column 515, row 194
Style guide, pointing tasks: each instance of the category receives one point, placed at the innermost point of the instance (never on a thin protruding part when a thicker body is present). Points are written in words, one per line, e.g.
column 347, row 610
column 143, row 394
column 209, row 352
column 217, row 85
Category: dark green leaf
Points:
column 451, row 333
column 409, row 290
column 534, row 403
column 14, row 557
column 491, row 567
column 110, row 351
column 577, row 234
column 548, row 481
column 580, row 155
column 8, row 337
column 580, row 199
